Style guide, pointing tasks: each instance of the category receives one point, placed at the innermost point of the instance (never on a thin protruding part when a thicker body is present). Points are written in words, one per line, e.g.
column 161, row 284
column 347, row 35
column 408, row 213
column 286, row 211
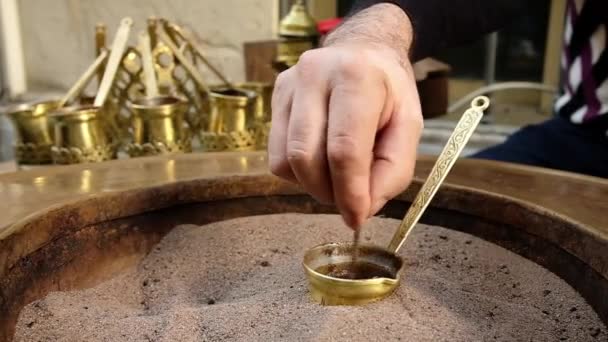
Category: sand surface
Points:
column 242, row 280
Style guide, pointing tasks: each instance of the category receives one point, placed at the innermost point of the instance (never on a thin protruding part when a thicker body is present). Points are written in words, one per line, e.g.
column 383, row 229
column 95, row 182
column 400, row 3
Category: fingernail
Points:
column 347, row 219
column 353, row 221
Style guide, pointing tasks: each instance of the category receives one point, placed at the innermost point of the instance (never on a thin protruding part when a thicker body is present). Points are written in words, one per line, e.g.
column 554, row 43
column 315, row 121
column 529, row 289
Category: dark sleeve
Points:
column 439, row 24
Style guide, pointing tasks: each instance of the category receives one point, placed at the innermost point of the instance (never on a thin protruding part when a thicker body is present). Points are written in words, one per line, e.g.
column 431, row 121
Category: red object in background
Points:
column 326, row 26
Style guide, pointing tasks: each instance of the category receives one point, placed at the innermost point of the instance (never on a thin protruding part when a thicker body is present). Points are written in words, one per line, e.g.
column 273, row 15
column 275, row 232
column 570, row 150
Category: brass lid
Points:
column 298, row 22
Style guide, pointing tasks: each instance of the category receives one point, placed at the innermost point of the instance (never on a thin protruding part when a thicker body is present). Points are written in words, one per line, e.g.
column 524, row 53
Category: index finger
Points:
column 355, row 108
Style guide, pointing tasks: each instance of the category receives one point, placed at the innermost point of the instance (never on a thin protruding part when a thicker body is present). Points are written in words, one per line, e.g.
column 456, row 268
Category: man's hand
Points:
column 346, row 119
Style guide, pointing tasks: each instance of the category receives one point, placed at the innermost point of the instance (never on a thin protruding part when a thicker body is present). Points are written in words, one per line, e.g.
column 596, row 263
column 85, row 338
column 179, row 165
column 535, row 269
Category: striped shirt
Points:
column 584, row 88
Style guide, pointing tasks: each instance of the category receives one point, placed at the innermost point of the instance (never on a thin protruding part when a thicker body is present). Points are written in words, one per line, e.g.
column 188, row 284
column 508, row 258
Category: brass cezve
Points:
column 158, row 126
column 34, row 131
column 329, row 290
column 80, row 136
column 227, row 127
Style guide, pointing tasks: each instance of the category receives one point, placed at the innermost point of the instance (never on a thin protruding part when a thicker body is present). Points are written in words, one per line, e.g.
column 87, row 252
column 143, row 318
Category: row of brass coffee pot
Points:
column 151, row 99
column 74, row 129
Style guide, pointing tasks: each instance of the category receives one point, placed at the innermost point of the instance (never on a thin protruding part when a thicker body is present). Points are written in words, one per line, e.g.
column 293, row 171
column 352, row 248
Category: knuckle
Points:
column 309, row 64
column 358, row 66
column 341, row 150
column 298, row 153
column 351, row 69
column 309, row 58
column 282, row 79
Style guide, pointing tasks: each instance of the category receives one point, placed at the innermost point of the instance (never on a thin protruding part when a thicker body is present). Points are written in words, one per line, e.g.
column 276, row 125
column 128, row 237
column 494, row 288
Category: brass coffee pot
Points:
column 158, row 124
column 322, row 262
column 34, row 132
column 259, row 125
column 231, row 111
column 80, row 136
column 158, row 127
column 34, row 123
column 82, row 132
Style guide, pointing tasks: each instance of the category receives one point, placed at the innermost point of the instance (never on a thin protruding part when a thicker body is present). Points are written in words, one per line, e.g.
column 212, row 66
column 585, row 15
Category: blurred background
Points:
column 56, row 45
column 528, row 50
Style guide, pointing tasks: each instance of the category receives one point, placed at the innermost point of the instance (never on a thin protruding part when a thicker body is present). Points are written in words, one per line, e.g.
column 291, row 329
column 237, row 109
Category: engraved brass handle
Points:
column 456, row 143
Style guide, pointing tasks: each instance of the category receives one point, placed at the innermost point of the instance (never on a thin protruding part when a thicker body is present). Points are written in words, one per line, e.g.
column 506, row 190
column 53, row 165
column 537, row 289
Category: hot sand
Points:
column 242, row 280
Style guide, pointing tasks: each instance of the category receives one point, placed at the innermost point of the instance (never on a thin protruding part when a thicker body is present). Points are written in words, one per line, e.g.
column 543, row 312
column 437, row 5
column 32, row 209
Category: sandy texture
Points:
column 242, row 280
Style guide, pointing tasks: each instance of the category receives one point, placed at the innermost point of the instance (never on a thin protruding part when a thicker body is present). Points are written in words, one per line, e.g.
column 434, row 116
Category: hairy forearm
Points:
column 436, row 24
column 382, row 24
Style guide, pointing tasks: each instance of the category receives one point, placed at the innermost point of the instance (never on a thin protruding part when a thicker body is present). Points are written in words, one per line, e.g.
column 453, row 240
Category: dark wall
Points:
column 521, row 47
column 344, row 6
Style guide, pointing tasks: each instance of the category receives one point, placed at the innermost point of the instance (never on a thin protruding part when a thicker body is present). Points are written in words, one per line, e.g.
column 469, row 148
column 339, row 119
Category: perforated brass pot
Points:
column 34, row 131
column 260, row 127
column 80, row 136
column 159, row 127
column 263, row 99
column 231, row 109
column 116, row 126
column 231, row 112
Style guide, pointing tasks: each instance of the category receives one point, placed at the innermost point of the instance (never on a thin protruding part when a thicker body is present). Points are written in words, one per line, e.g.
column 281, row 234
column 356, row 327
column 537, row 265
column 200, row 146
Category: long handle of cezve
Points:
column 198, row 79
column 454, row 147
column 148, row 65
column 116, row 54
column 84, row 79
column 191, row 39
